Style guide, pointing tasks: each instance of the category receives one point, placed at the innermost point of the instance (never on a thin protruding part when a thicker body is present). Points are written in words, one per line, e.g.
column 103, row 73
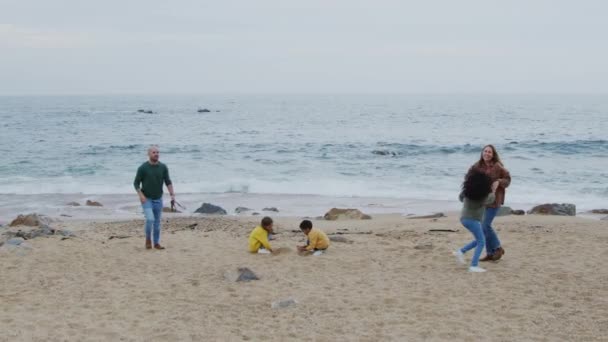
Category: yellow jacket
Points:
column 258, row 238
column 317, row 240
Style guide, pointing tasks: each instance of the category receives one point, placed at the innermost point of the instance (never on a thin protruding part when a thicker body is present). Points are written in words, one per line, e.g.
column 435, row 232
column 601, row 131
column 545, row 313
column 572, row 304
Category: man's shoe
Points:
column 148, row 244
column 498, row 254
column 488, row 257
column 157, row 246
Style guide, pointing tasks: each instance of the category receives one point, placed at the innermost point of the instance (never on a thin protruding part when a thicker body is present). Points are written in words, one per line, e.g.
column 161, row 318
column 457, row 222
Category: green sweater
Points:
column 475, row 209
column 151, row 178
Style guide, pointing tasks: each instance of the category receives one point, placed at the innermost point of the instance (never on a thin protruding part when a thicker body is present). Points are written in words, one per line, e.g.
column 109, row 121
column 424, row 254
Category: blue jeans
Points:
column 152, row 212
column 474, row 227
column 492, row 242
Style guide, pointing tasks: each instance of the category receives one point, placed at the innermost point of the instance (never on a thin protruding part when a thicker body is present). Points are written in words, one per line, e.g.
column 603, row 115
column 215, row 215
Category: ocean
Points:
column 300, row 153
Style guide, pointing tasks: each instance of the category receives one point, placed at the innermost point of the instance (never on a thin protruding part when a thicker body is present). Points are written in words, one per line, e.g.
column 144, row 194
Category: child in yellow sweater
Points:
column 258, row 239
column 317, row 240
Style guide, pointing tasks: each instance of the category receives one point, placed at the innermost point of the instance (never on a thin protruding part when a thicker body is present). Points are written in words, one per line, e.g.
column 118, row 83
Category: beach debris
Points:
column 504, row 211
column 73, row 204
column 145, row 111
column 15, row 241
column 518, row 212
column 339, row 239
column 284, row 303
column 119, row 237
column 93, row 204
column 432, row 216
column 425, row 245
column 203, row 110
column 169, row 210
column 563, row 209
column 241, row 274
column 599, row 211
column 444, row 230
column 208, row 208
column 30, row 220
column 271, row 209
column 192, row 226
column 347, row 232
column 239, row 210
column 345, row 214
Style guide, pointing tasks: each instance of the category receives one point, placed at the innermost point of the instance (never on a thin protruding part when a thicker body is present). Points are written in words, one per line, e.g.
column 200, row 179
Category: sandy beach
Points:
column 395, row 280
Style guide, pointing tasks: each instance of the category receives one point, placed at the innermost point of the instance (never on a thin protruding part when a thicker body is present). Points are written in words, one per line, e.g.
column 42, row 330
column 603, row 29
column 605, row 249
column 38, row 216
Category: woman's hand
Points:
column 495, row 186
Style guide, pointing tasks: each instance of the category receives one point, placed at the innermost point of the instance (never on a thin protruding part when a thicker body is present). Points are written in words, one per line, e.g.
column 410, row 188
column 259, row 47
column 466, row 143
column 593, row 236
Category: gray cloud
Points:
column 64, row 47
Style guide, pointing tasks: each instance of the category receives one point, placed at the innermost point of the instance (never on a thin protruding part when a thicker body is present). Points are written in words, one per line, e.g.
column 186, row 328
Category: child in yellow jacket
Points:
column 317, row 240
column 258, row 239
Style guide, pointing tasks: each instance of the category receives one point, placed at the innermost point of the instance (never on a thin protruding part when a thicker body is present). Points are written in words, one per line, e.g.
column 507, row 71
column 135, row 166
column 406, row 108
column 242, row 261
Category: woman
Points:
column 477, row 192
column 490, row 164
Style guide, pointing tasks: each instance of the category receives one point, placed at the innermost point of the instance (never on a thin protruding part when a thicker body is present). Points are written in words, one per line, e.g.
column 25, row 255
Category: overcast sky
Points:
column 312, row 46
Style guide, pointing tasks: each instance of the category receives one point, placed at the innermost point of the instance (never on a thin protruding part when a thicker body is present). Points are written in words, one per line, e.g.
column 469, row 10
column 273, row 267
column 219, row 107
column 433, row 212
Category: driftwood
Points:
column 437, row 215
column 119, row 237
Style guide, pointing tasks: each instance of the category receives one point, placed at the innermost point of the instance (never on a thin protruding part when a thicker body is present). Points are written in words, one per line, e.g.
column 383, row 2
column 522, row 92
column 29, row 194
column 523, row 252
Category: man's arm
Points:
column 137, row 184
column 169, row 183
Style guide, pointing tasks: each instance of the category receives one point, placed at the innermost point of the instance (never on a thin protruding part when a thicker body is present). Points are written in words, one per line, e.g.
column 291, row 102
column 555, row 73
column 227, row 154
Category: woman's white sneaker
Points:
column 476, row 269
column 459, row 256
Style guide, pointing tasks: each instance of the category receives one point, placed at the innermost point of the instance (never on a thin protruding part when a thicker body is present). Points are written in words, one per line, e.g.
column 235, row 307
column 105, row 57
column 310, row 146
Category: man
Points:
column 151, row 175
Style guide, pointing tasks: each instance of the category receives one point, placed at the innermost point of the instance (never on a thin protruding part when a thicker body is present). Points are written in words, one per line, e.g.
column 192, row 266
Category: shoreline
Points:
column 125, row 206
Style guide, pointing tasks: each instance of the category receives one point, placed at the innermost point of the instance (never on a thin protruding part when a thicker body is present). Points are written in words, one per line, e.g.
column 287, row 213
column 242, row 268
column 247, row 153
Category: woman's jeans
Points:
column 492, row 242
column 152, row 212
column 474, row 227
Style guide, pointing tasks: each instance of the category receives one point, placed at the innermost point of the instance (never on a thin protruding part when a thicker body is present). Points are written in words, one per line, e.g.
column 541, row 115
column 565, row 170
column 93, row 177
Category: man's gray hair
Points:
column 152, row 147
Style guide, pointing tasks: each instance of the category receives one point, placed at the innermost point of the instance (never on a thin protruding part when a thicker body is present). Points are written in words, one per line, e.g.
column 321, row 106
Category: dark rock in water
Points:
column 145, row 111
column 384, row 153
column 93, row 204
column 599, row 211
column 239, row 210
column 345, row 214
column 73, row 204
column 518, row 212
column 432, row 216
column 208, row 208
column 271, row 209
column 31, row 220
column 504, row 211
column 168, row 210
column 255, row 214
column 204, row 110
column 564, row 209
column 241, row 274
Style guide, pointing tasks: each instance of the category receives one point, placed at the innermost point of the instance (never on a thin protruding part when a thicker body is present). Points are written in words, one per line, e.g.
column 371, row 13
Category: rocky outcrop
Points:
column 563, row 209
column 204, row 110
column 240, row 210
column 31, row 220
column 345, row 214
column 93, row 204
column 518, row 212
column 271, row 209
column 73, row 204
column 599, row 211
column 210, row 209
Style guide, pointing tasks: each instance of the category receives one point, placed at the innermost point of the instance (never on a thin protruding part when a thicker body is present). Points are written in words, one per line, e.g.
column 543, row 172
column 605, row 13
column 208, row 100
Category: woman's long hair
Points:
column 476, row 186
column 495, row 156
